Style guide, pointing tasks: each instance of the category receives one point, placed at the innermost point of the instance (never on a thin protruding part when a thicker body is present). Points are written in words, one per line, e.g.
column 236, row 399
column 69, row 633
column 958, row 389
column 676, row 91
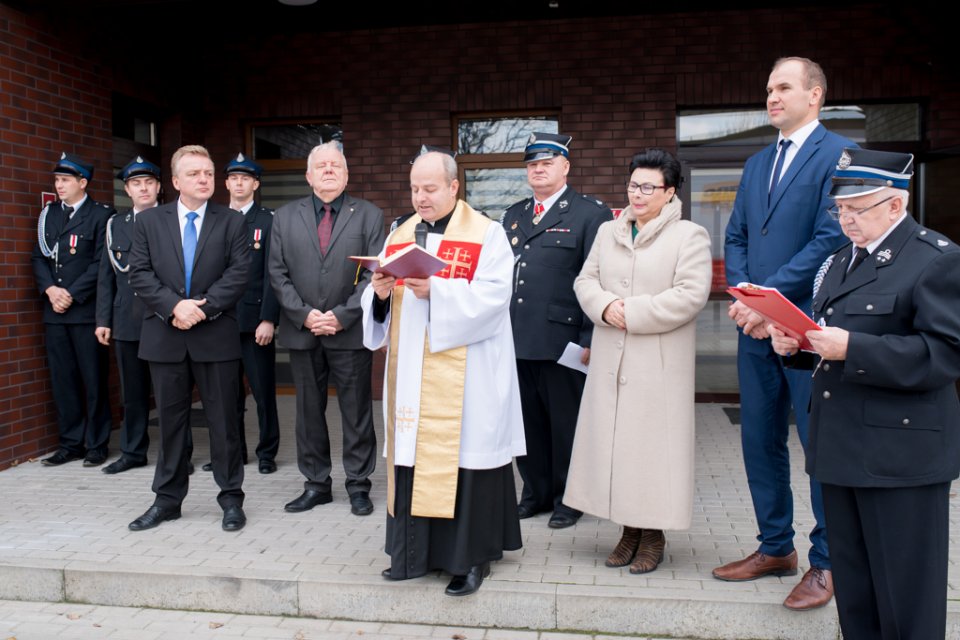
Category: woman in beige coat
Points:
column 646, row 279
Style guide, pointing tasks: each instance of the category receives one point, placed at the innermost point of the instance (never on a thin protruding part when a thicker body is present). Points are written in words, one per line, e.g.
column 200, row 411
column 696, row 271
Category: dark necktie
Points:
column 67, row 211
column 778, row 169
column 189, row 248
column 860, row 256
column 325, row 229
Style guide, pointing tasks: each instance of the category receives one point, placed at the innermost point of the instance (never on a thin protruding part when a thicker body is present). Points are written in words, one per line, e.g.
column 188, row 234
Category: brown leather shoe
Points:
column 815, row 590
column 757, row 565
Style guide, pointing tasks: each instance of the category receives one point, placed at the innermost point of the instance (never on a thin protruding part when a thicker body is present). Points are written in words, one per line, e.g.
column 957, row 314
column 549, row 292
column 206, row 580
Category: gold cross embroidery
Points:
column 461, row 261
column 404, row 420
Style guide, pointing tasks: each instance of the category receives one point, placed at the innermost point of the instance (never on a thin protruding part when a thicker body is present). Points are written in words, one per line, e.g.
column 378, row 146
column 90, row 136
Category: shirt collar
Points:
column 245, row 209
column 549, row 202
column 335, row 205
column 76, row 205
column 873, row 246
column 182, row 210
column 800, row 135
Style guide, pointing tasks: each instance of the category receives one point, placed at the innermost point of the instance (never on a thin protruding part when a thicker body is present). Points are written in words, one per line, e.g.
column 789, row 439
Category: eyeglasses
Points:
column 646, row 188
column 835, row 211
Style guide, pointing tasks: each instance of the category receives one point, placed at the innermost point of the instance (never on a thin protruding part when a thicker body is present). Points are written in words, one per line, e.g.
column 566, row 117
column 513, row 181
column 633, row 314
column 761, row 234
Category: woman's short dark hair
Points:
column 662, row 161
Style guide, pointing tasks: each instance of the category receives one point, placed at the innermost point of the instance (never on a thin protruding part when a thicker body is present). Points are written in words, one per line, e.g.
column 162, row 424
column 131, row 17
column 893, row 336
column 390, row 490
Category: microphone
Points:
column 420, row 235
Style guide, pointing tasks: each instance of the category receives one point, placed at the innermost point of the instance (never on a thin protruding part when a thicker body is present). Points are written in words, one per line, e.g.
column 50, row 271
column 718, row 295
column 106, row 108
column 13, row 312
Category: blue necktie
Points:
column 189, row 248
column 777, row 170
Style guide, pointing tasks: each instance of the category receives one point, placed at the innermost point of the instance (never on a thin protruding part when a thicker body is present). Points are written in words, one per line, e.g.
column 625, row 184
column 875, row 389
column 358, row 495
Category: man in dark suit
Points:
column 884, row 418
column 120, row 313
column 65, row 264
column 257, row 314
column 551, row 234
column 778, row 235
column 319, row 292
column 189, row 267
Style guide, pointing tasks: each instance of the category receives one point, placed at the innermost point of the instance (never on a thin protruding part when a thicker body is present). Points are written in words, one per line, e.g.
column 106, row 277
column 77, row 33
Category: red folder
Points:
column 776, row 309
column 410, row 262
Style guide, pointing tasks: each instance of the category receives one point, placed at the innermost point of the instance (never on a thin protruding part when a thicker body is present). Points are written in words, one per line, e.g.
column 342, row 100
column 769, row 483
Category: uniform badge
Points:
column 883, row 256
column 513, row 226
column 563, row 204
column 139, row 160
column 73, row 244
column 942, row 243
column 514, row 241
column 526, row 207
column 240, row 157
column 63, row 155
column 257, row 234
column 127, row 219
column 532, row 139
column 119, row 255
column 845, row 160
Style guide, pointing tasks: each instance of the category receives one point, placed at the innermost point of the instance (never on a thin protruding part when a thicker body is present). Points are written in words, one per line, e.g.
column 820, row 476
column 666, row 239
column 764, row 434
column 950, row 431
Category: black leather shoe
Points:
column 153, row 517
column 121, row 465
column 207, row 467
column 360, row 504
column 562, row 520
column 386, row 574
column 470, row 583
column 234, row 518
column 267, row 466
column 190, row 469
column 524, row 511
column 59, row 458
column 94, row 459
column 307, row 500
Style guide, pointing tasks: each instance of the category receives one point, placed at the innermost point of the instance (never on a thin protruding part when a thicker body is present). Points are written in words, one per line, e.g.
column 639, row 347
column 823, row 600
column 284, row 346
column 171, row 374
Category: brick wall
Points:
column 617, row 83
column 51, row 100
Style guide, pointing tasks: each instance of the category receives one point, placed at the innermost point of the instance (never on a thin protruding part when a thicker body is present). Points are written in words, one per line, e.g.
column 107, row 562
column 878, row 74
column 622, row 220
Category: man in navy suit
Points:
column 778, row 236
column 189, row 267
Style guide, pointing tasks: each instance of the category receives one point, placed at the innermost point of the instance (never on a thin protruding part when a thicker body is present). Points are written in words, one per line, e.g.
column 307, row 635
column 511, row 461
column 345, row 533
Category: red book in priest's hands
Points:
column 410, row 262
column 777, row 310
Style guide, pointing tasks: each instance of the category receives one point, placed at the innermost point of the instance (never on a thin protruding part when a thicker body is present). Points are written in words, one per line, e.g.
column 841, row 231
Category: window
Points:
column 490, row 154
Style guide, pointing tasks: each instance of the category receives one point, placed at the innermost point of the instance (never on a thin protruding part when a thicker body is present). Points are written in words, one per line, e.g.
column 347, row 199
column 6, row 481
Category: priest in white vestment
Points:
column 451, row 399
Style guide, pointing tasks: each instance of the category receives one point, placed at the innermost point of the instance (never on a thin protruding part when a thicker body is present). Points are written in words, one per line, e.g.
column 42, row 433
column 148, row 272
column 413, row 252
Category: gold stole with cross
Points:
column 442, row 382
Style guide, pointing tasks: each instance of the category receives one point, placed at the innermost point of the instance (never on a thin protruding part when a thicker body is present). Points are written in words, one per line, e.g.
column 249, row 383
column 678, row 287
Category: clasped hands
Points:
column 322, row 323
column 60, row 298
column 188, row 314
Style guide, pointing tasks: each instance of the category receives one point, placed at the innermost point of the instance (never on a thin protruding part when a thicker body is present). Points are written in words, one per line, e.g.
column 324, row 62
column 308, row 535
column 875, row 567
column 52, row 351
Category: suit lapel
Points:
column 525, row 219
column 884, row 256
column 809, row 148
column 552, row 216
column 78, row 217
column 213, row 218
column 173, row 228
column 309, row 219
column 343, row 219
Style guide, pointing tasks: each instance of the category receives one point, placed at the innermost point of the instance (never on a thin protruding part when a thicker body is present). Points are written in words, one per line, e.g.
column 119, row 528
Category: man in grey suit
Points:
column 319, row 292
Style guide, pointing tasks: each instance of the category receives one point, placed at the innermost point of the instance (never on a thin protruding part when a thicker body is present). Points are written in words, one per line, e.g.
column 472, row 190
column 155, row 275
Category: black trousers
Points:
column 889, row 550
column 172, row 388
column 349, row 370
column 550, row 399
column 135, row 388
column 78, row 375
column 484, row 525
column 259, row 364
